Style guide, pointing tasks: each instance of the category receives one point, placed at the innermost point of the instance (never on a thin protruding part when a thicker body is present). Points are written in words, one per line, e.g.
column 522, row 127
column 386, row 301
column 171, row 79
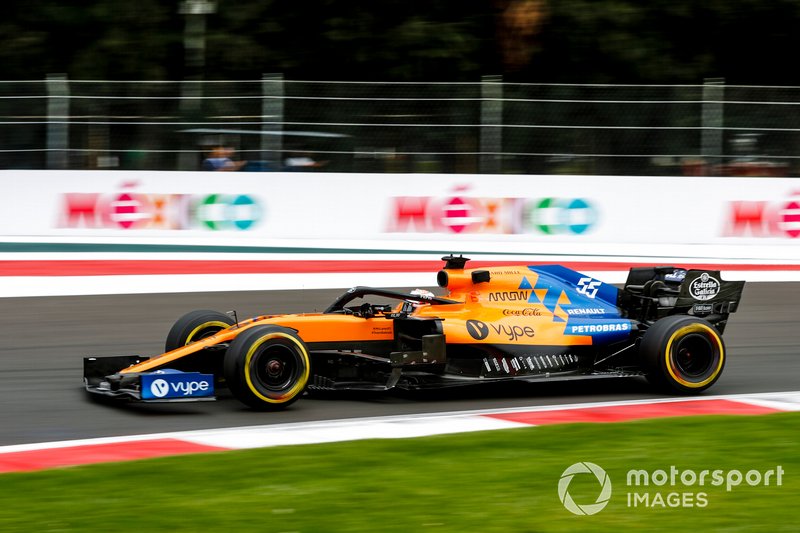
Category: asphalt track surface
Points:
column 44, row 341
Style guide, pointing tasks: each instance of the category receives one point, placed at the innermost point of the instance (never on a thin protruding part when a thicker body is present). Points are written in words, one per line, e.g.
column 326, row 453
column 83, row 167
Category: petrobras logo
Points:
column 132, row 209
column 165, row 385
column 464, row 213
column 605, row 327
column 599, row 329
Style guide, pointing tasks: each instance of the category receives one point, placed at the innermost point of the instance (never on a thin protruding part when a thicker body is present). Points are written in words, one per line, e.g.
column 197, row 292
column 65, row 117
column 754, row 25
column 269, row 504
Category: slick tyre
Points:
column 683, row 354
column 267, row 367
column 194, row 326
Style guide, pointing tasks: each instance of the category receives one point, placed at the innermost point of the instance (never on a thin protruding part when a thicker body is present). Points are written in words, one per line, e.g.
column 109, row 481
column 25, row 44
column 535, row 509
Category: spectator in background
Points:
column 221, row 158
column 300, row 161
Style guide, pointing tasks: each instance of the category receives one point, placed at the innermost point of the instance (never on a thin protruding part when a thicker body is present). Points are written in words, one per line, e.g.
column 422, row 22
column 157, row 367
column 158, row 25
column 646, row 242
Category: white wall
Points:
column 755, row 218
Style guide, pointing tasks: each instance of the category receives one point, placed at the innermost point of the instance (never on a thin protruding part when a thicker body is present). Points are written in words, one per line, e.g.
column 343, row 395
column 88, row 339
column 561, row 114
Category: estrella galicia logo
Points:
column 584, row 468
column 477, row 329
column 705, row 287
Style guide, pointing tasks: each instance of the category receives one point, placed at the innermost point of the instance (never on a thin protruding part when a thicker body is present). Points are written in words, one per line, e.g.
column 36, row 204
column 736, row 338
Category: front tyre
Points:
column 267, row 367
column 683, row 354
column 194, row 326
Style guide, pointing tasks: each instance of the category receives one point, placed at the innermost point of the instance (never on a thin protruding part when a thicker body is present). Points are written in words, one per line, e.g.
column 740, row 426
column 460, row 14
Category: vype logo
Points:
column 176, row 385
column 159, row 388
column 477, row 329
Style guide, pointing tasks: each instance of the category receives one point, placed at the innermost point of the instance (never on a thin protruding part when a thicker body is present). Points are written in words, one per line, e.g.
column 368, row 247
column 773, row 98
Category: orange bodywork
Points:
column 499, row 312
column 313, row 327
column 505, row 309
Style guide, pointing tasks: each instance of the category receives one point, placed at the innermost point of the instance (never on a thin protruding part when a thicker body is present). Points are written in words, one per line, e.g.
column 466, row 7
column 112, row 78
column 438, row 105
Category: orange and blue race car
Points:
column 498, row 324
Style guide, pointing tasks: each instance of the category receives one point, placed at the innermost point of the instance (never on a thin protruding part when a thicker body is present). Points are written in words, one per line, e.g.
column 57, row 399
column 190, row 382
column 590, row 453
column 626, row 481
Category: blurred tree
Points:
column 676, row 41
column 100, row 39
column 336, row 40
column 668, row 41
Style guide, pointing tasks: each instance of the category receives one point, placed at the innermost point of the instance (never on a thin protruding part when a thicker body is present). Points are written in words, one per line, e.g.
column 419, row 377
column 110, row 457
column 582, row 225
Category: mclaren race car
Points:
column 520, row 323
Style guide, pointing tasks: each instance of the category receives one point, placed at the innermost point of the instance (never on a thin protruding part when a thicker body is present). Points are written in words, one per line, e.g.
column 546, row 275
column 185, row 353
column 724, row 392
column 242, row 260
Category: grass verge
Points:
column 500, row 481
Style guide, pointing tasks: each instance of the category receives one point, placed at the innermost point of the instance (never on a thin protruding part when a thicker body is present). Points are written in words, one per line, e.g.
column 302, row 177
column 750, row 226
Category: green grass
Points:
column 500, row 481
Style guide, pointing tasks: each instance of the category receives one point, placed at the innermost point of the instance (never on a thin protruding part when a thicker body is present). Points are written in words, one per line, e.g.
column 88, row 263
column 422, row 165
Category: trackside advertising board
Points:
column 466, row 211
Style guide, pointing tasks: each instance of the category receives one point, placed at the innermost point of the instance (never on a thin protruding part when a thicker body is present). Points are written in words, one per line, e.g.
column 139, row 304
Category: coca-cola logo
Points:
column 705, row 287
column 527, row 311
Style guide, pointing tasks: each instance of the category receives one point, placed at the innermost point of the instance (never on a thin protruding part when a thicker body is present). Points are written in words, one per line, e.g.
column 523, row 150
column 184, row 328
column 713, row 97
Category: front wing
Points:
column 102, row 377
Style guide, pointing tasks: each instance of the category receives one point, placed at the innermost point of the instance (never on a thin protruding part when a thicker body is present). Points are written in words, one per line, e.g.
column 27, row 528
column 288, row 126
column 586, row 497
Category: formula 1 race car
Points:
column 521, row 323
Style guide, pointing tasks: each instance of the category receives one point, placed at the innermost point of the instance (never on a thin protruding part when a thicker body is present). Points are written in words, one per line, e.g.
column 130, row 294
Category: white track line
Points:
column 397, row 426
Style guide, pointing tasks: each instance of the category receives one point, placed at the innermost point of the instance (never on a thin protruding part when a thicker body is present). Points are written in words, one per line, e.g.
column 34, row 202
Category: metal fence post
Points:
column 272, row 111
column 57, row 118
column 194, row 45
column 491, row 134
column 712, row 122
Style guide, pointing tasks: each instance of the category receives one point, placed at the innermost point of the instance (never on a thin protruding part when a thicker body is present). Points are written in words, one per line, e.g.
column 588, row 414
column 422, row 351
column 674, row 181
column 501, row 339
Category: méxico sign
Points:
column 465, row 214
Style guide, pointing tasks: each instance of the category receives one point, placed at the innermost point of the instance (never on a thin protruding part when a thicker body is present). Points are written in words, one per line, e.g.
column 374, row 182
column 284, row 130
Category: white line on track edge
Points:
column 394, row 426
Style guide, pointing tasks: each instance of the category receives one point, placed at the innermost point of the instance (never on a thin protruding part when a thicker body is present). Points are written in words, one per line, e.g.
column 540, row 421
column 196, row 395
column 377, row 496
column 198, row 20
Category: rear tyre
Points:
column 267, row 367
column 683, row 354
column 194, row 326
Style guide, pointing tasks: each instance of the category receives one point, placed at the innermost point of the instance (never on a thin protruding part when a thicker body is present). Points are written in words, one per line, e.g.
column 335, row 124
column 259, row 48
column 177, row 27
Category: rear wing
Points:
column 705, row 291
column 651, row 293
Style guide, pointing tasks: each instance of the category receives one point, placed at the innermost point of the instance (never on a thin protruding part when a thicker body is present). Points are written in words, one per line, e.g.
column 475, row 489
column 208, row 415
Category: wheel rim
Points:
column 694, row 355
column 276, row 368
